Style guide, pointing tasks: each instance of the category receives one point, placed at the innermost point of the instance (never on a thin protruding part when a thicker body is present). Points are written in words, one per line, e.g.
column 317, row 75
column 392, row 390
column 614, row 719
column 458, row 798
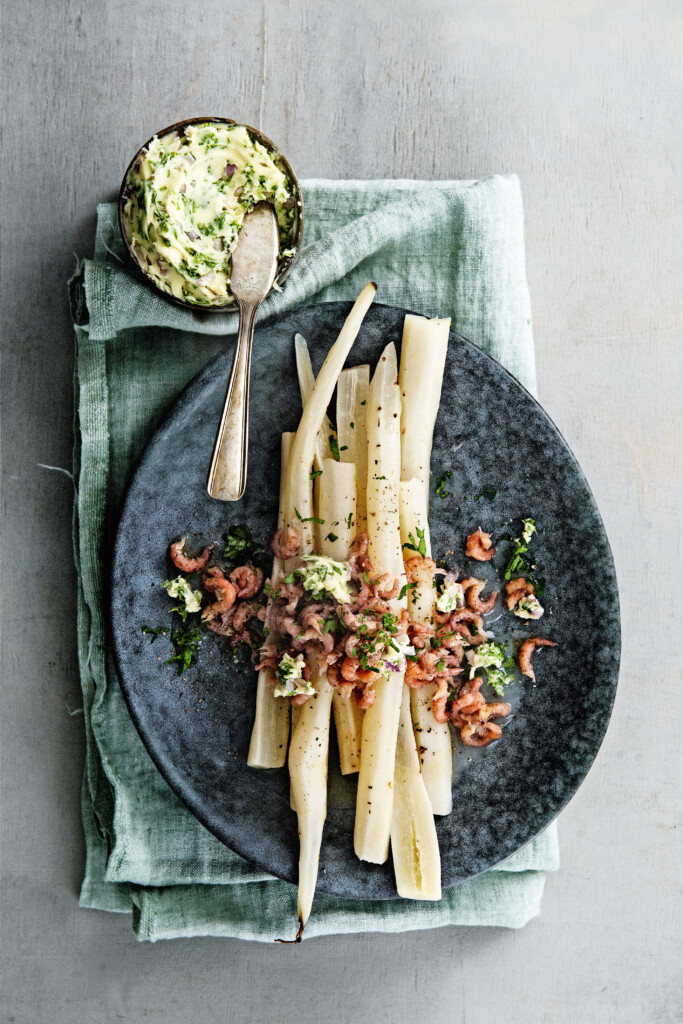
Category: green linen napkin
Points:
column 439, row 248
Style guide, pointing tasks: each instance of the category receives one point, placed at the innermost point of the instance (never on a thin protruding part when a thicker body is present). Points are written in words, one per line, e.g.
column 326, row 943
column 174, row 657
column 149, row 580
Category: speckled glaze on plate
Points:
column 491, row 434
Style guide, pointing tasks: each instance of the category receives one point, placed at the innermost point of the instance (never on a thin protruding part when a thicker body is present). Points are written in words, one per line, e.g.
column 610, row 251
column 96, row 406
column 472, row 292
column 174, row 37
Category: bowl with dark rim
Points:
column 284, row 266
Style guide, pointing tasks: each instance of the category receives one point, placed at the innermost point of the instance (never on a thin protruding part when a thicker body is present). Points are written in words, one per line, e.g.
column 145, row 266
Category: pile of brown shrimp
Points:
column 350, row 639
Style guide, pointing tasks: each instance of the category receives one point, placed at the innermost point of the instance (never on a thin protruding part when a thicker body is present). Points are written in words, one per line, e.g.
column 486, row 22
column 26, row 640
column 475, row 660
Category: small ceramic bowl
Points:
column 286, row 263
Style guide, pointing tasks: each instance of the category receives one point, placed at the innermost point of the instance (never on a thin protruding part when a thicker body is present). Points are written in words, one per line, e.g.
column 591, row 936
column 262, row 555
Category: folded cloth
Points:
column 438, row 248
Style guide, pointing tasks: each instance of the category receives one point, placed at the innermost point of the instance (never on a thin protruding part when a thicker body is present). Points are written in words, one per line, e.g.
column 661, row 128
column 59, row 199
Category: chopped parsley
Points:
column 332, row 537
column 240, row 545
column 315, row 473
column 419, row 545
column 487, row 492
column 310, row 519
column 518, row 561
column 334, row 447
column 185, row 640
column 441, row 485
column 405, row 588
column 155, row 633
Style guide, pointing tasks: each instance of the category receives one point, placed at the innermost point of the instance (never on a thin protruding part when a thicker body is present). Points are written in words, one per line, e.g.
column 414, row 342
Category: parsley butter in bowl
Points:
column 184, row 197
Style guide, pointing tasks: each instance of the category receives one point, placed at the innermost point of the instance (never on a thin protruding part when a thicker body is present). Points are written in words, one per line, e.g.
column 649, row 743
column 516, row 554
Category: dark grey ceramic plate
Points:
column 491, row 434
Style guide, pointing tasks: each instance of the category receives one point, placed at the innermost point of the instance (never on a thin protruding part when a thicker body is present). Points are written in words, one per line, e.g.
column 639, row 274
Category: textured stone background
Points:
column 582, row 100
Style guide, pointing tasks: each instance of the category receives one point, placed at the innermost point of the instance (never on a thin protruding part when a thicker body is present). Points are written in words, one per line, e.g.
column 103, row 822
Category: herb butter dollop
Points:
column 290, row 677
column 184, row 201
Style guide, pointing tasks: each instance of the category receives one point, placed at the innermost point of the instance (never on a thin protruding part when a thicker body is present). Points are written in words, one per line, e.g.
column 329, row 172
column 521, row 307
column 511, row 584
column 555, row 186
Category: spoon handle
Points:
column 228, row 472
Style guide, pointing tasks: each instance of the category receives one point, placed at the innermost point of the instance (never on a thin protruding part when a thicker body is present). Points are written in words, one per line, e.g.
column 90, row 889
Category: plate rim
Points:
column 113, row 554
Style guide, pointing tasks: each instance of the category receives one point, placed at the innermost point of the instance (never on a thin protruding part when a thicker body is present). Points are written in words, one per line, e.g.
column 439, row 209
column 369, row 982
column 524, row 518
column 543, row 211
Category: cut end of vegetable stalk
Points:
column 299, row 936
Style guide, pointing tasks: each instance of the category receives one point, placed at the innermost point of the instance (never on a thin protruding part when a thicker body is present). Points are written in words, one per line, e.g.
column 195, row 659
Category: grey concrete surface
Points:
column 582, row 99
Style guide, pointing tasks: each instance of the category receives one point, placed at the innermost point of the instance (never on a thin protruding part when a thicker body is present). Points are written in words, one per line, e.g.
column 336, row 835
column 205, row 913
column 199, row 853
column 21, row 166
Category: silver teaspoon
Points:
column 254, row 265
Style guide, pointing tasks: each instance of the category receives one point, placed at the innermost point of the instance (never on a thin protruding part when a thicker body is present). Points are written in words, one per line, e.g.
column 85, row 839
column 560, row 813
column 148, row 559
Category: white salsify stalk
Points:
column 327, row 435
column 304, row 370
column 414, row 843
column 337, row 506
column 352, row 389
column 423, row 358
column 299, row 495
column 352, row 396
column 268, row 745
column 295, row 718
column 380, row 722
column 308, row 752
column 433, row 738
column 310, row 740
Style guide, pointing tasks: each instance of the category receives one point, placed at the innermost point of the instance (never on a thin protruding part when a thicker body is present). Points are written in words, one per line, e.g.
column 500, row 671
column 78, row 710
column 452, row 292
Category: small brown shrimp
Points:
column 358, row 555
column 415, row 678
column 352, row 672
column 247, row 580
column 334, row 679
column 222, row 623
column 350, row 645
column 420, row 634
column 468, row 693
column 468, row 704
column 243, row 614
column 183, row 562
column 269, row 657
column 313, row 641
column 360, row 544
column 420, row 570
column 365, row 698
column 216, row 583
column 516, row 590
column 526, row 651
column 473, row 588
column 452, row 642
column 385, row 587
column 479, row 546
column 457, row 623
column 403, row 619
column 440, row 700
column 311, row 618
column 479, row 734
column 350, row 620
column 299, row 698
column 496, row 709
column 286, row 547
column 373, row 606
